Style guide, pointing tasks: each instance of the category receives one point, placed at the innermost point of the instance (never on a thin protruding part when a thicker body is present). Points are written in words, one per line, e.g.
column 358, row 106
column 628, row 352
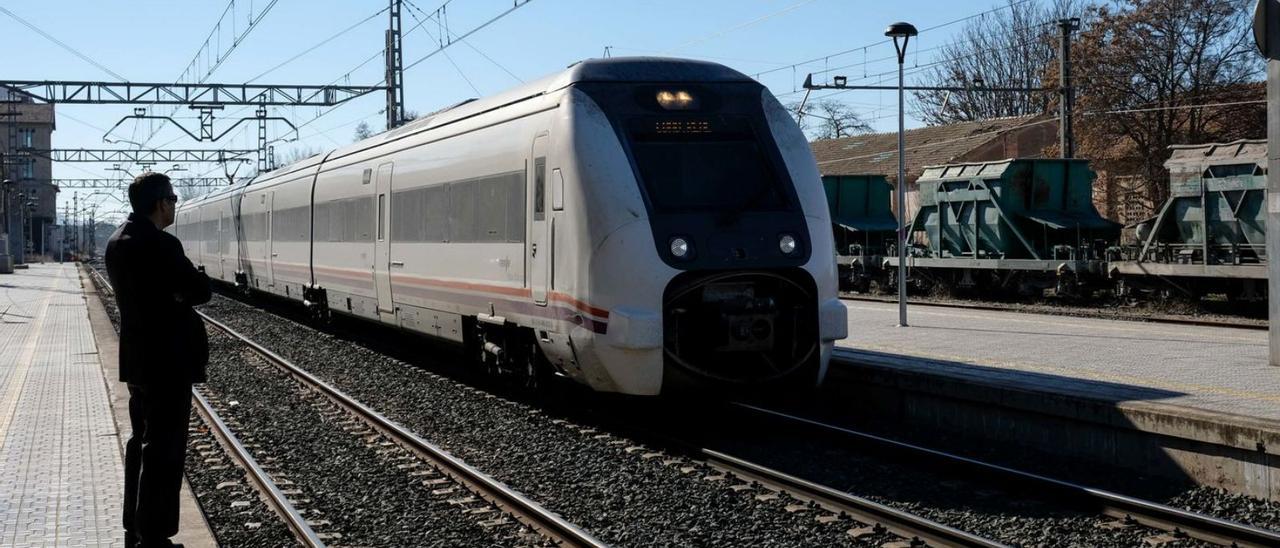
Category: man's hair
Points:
column 146, row 190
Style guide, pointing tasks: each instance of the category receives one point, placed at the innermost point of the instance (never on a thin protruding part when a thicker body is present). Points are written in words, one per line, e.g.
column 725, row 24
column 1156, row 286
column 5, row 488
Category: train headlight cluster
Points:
column 677, row 100
column 787, row 244
column 680, row 247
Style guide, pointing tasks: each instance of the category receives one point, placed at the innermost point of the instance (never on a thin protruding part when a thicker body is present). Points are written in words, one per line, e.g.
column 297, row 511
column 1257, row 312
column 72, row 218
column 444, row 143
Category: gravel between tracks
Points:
column 1012, row 518
column 359, row 486
column 622, row 492
column 238, row 516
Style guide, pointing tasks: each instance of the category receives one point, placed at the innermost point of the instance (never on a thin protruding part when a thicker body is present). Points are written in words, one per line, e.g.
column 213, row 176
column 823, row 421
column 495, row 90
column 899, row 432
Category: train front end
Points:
column 710, row 240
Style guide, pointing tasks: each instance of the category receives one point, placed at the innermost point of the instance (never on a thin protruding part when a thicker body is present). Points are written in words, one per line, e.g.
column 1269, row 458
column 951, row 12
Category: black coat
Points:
column 162, row 340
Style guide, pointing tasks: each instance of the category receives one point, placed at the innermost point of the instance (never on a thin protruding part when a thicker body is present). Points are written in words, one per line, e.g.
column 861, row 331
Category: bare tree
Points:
column 1164, row 72
column 1008, row 48
column 297, row 154
column 828, row 119
column 362, row 131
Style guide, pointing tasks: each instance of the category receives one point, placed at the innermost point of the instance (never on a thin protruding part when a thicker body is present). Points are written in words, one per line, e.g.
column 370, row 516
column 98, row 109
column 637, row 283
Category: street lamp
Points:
column 904, row 31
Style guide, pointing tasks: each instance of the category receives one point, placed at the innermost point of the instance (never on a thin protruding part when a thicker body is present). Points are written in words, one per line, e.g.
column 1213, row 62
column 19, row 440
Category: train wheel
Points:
column 532, row 367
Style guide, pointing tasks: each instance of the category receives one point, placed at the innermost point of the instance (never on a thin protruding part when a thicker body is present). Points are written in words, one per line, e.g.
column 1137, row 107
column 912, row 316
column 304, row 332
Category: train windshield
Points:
column 703, row 165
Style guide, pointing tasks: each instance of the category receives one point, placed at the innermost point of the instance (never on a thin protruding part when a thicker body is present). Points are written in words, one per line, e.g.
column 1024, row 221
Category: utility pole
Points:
column 395, row 70
column 1066, row 139
column 75, row 228
column 1266, row 35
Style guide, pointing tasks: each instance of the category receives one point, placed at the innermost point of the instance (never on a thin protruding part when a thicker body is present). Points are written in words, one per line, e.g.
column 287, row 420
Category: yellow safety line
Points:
column 1190, row 389
column 9, row 402
column 1025, row 318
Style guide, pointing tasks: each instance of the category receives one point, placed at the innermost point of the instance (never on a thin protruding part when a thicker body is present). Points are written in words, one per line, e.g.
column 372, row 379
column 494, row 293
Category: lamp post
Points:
column 903, row 31
column 6, row 255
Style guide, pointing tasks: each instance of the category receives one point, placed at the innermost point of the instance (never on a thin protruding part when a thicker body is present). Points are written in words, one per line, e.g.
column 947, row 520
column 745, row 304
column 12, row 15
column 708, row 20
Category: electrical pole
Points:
column 1266, row 35
column 395, row 70
column 1066, row 139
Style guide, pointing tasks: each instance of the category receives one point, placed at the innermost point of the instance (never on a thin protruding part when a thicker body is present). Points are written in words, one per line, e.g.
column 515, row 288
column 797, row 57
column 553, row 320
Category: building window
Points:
column 26, row 137
column 29, row 169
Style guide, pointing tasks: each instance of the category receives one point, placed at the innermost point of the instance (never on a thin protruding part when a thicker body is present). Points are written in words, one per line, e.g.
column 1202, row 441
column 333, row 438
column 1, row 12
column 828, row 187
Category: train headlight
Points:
column 680, row 247
column 787, row 244
column 677, row 100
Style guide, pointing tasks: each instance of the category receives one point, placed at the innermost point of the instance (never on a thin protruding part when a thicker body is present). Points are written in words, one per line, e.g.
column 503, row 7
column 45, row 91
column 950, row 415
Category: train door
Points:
column 382, row 243
column 539, row 244
column 268, row 246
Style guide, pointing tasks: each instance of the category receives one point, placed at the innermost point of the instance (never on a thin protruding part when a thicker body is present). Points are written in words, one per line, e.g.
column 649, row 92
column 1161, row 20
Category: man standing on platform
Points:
column 163, row 351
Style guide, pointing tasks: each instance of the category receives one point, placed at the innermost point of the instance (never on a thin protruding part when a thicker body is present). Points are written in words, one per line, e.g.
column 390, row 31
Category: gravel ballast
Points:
column 538, row 451
column 227, row 497
column 355, row 486
column 624, row 493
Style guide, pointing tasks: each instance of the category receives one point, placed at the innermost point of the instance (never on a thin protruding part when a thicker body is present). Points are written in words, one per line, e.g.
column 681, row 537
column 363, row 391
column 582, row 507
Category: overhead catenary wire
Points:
column 740, row 26
column 318, row 45
column 468, row 43
column 517, row 4
column 221, row 57
column 798, row 64
column 63, row 45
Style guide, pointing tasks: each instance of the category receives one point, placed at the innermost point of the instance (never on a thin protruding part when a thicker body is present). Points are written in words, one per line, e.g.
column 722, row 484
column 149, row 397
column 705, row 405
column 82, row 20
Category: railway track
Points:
column 511, row 502
column 918, row 530
column 1073, row 312
column 1178, row 523
column 261, row 479
column 274, row 496
column 508, row 500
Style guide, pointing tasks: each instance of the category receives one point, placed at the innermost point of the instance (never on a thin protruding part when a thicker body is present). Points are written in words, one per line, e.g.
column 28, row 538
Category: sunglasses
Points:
column 171, row 198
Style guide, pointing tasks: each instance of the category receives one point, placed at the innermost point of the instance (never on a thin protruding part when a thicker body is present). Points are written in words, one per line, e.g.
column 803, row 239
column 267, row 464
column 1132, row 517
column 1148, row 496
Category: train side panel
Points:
column 290, row 233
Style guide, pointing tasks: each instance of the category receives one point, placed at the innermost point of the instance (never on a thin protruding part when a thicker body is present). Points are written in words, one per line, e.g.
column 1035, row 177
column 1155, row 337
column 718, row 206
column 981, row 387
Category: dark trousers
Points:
column 154, row 458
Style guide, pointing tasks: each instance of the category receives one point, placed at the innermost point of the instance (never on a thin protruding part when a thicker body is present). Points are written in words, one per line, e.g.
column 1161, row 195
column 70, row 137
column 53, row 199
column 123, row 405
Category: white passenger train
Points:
column 631, row 223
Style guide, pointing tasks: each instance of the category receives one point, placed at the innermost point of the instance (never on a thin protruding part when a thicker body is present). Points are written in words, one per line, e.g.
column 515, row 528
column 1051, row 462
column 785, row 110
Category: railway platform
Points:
column 61, row 425
column 1191, row 402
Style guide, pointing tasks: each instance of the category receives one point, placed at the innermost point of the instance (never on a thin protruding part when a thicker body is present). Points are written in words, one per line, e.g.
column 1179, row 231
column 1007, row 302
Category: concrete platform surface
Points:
column 61, row 471
column 1213, row 369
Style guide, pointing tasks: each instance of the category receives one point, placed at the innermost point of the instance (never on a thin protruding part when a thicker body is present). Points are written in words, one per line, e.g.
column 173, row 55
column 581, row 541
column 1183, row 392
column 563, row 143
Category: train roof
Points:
column 616, row 69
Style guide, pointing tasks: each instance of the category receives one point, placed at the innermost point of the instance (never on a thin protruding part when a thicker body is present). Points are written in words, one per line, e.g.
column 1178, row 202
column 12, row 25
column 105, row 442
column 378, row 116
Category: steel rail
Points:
column 1151, row 514
column 1083, row 313
column 895, row 521
column 505, row 498
column 260, row 478
column 277, row 499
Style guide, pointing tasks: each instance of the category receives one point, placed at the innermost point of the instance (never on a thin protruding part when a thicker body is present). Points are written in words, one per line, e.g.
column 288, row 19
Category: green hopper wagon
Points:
column 864, row 226
column 1210, row 235
column 1016, row 224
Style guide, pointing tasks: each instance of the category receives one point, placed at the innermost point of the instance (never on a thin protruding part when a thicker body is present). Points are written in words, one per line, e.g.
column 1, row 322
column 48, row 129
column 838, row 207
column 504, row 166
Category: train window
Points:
column 717, row 168
column 515, row 185
column 486, row 209
column 435, row 226
column 462, row 212
column 539, row 189
column 382, row 199
column 368, row 176
column 557, row 190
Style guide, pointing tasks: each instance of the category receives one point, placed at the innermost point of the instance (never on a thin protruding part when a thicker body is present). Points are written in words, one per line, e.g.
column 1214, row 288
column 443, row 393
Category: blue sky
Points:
column 154, row 40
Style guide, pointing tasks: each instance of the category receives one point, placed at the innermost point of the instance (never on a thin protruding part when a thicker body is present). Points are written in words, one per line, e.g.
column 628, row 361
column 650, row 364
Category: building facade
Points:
column 30, row 200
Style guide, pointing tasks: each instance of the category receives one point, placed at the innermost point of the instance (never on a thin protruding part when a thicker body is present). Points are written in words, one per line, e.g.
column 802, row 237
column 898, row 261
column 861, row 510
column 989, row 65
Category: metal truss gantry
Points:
column 142, row 156
column 192, row 182
column 133, row 93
